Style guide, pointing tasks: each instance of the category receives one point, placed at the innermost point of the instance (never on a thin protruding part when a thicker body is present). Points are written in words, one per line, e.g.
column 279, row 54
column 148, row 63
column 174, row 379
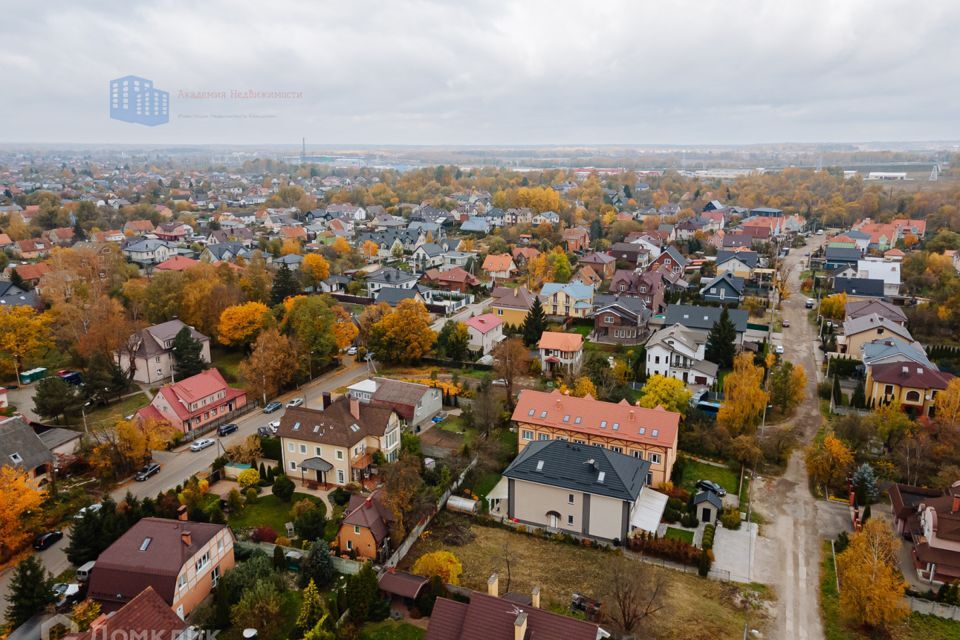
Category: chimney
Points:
column 355, row 408
column 520, row 627
column 535, row 597
column 368, row 503
column 185, row 538
column 956, row 504
column 493, row 586
column 327, row 401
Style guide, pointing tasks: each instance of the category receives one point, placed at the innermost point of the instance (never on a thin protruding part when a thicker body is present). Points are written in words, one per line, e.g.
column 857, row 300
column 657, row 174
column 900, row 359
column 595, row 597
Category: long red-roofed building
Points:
column 194, row 402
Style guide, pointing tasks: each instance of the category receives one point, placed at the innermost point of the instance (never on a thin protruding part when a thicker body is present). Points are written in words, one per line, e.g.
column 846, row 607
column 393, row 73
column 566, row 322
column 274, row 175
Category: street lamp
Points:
column 84, row 414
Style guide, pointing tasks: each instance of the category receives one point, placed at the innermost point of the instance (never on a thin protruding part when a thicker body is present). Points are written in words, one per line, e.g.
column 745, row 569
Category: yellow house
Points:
column 914, row 385
column 511, row 304
column 572, row 300
column 859, row 331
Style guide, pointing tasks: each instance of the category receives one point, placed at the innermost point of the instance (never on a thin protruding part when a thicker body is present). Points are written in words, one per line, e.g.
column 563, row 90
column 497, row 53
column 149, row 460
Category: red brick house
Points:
column 577, row 239
column 195, row 403
column 605, row 265
column 454, row 279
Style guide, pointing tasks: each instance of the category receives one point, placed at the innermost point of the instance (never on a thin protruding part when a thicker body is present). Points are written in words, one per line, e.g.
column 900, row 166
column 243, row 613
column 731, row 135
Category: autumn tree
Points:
column 256, row 280
column 511, row 359
column 947, row 403
column 403, row 335
column 442, row 564
column 312, row 325
column 127, row 446
column 834, row 307
column 454, row 340
column 871, row 585
column 634, row 592
column 259, row 608
column 23, row 334
column 402, row 482
column 345, row 330
column 18, row 499
column 271, row 364
column 291, row 246
column 312, row 610
column 341, row 246
column 722, row 341
column 582, row 387
column 371, row 315
column 787, row 386
column 667, row 392
column 370, row 249
column 744, row 397
column 84, row 613
column 315, row 269
column 828, row 461
column 241, row 323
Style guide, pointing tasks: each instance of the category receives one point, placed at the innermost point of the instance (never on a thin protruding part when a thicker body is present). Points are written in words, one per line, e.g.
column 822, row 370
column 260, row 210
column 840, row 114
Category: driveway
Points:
column 733, row 550
column 475, row 309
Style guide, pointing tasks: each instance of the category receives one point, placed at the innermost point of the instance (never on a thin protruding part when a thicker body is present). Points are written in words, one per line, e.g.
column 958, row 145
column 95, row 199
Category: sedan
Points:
column 352, row 351
column 786, row 323
column 710, row 485
column 45, row 540
column 778, row 349
column 296, row 402
column 148, row 470
column 200, row 445
column 226, row 429
column 271, row 407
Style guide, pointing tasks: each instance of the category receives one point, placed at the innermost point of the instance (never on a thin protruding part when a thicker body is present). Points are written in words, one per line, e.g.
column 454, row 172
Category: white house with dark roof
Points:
column 153, row 359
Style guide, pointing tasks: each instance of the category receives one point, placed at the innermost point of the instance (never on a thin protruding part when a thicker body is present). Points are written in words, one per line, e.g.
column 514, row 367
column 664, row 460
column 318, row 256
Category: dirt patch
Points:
column 438, row 438
column 694, row 608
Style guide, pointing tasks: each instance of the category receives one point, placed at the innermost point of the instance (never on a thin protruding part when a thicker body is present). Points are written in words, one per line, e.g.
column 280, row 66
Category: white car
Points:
column 296, row 402
column 352, row 351
column 779, row 349
column 93, row 508
column 200, row 445
column 274, row 425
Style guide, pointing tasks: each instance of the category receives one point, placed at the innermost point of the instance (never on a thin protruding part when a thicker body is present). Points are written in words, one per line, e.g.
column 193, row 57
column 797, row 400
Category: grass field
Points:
column 269, row 511
column 109, row 415
column 227, row 361
column 679, row 534
column 694, row 470
column 391, row 630
column 917, row 627
column 693, row 608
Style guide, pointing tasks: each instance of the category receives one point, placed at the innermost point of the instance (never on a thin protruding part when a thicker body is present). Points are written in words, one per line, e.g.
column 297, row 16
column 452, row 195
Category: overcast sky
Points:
column 485, row 72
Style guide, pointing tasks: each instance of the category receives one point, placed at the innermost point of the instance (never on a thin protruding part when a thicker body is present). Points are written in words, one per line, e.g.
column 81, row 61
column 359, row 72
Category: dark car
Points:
column 44, row 540
column 226, row 429
column 271, row 407
column 710, row 485
column 264, row 432
column 148, row 470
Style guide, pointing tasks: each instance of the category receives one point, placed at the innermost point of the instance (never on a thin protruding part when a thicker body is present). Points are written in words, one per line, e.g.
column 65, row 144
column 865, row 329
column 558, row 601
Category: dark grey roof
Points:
column 393, row 295
column 856, row 234
column 696, row 317
column 431, row 249
column 21, row 299
column 391, row 276
column 734, row 283
column 858, row 287
column 559, row 463
column 20, row 447
column 289, row 259
column 56, row 436
column 846, row 254
column 7, row 288
column 632, row 304
column 673, row 253
column 708, row 496
column 749, row 258
column 221, row 249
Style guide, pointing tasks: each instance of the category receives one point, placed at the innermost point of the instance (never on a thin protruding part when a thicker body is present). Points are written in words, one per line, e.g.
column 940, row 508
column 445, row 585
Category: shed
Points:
column 402, row 585
column 708, row 506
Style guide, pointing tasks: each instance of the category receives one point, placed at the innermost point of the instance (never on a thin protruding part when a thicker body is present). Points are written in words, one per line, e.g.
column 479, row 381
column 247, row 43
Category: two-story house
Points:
column 679, row 352
column 670, row 260
column 725, row 289
column 148, row 251
column 560, row 353
column 390, row 278
column 737, row 263
column 604, row 264
column 335, row 445
column 415, row 404
column 427, row 256
column 570, row 300
column 182, row 561
column 648, row 434
column 153, row 359
column 511, row 304
column 915, row 386
column 930, row 521
column 486, row 331
column 365, row 529
column 867, row 328
column 860, row 308
column 703, row 318
column 452, row 279
column 577, row 239
column 22, row 449
column 499, row 266
column 197, row 403
column 620, row 320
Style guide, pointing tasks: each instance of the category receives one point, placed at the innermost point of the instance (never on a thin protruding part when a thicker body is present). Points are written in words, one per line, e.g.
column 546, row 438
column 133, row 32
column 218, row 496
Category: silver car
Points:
column 200, row 445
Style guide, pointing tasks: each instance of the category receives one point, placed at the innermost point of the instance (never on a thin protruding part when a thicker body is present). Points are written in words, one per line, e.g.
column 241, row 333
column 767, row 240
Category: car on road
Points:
column 150, row 469
column 819, row 232
column 265, row 432
column 295, row 402
column 352, row 351
column 786, row 323
column 227, row 429
column 710, row 485
column 274, row 425
column 65, row 594
column 779, row 349
column 810, row 302
column 93, row 508
column 272, row 406
column 200, row 445
column 45, row 540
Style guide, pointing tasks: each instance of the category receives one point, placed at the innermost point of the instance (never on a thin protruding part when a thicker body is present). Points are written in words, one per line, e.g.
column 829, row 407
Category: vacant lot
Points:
column 105, row 417
column 694, row 470
column 694, row 608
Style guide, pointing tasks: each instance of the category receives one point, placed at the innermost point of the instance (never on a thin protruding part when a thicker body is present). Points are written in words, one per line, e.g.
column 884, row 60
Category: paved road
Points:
column 469, row 311
column 180, row 465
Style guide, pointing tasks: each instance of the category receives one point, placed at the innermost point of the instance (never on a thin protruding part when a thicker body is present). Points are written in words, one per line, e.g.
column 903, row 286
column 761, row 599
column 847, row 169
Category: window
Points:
column 888, row 390
column 531, row 412
column 340, row 476
column 291, row 447
column 356, row 529
column 569, row 498
column 339, row 454
column 566, row 418
column 617, row 449
column 215, row 576
column 649, row 478
column 577, row 420
column 608, row 319
column 350, row 545
column 913, row 396
column 603, row 424
column 316, row 450
column 303, row 448
column 543, row 436
column 182, row 582
column 655, row 433
column 293, row 465
column 528, row 435
column 638, row 454
column 656, row 360
column 220, row 545
column 16, row 457
column 655, row 458
column 543, row 414
column 203, row 561
column 570, row 520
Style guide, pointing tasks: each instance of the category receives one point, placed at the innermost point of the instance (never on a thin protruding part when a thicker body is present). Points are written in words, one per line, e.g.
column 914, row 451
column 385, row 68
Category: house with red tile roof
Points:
column 523, row 255
column 454, row 279
column 32, row 249
column 195, row 403
column 176, row 263
column 499, row 265
column 914, row 385
column 486, row 331
column 930, row 521
column 31, row 273
column 137, row 227
column 650, row 434
column 146, row 616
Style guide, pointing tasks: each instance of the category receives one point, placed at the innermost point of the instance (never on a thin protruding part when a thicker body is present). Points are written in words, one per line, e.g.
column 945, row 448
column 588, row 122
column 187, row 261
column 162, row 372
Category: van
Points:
column 83, row 573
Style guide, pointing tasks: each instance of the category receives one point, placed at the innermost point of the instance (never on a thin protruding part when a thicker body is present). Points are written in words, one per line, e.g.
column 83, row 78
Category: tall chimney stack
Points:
column 535, row 597
column 354, row 408
column 493, row 586
column 327, row 401
column 520, row 627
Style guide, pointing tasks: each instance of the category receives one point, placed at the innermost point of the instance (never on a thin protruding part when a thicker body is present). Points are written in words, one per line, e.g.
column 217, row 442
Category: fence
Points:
column 931, row 608
column 415, row 534
column 224, row 419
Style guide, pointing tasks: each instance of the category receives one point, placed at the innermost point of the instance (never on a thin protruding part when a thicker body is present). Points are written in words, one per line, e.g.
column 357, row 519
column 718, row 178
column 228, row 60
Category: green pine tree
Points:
column 284, row 285
column 362, row 594
column 837, row 392
column 317, row 566
column 55, row 398
column 721, row 341
column 534, row 323
column 30, row 592
column 859, row 398
column 187, row 354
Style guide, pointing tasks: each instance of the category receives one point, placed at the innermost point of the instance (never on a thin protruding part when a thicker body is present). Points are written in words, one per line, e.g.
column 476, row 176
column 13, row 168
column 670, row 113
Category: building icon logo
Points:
column 134, row 99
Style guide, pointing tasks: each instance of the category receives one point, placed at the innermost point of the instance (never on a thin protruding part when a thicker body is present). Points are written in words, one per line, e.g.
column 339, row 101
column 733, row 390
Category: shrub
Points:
column 283, row 488
column 248, row 478
column 264, row 533
column 730, row 518
column 340, row 496
column 251, row 495
column 666, row 548
column 234, row 501
column 675, row 503
column 689, row 520
column 709, row 532
column 674, row 491
column 704, row 562
column 283, row 541
column 825, row 389
column 671, row 515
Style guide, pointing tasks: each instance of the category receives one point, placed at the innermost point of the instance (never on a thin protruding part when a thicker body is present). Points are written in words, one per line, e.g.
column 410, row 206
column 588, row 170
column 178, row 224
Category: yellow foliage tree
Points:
column 442, row 564
column 84, row 613
column 948, row 403
column 18, row 498
column 403, row 335
column 23, row 333
column 583, row 387
column 272, row 363
column 345, row 331
column 341, row 246
column 871, row 585
column 744, row 397
column 290, row 246
column 468, row 244
column 248, row 478
column 370, row 248
column 828, row 461
column 667, row 392
column 128, row 445
column 241, row 323
column 834, row 307
column 316, row 268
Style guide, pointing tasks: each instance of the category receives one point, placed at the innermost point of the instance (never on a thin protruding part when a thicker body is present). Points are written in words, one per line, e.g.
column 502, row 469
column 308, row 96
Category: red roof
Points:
column 561, row 341
column 498, row 262
column 489, row 618
column 180, row 395
column 177, row 263
column 146, row 614
column 32, row 271
column 485, row 323
column 910, row 374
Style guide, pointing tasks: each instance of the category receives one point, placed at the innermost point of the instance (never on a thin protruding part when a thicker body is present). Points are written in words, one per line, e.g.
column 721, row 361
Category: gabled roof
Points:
column 371, row 513
column 673, row 253
column 489, row 618
column 569, row 342
column 484, row 323
column 394, row 295
column 498, row 262
column 391, row 276
column 734, row 282
column 858, row 308
column 335, row 425
column 146, row 616
column 844, row 254
column 872, row 322
column 749, row 258
column 580, row 467
column 708, row 497
column 894, row 350
column 431, row 249
column 576, row 290
column 858, row 287
column 177, row 263
column 21, row 447
column 696, row 317
column 910, row 375
column 512, row 298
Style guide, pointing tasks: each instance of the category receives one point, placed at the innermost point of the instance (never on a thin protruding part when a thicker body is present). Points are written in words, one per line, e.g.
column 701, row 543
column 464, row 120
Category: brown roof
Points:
column 400, row 583
column 145, row 614
column 454, row 274
column 489, row 618
column 909, row 374
column 123, row 570
column 943, row 558
column 858, row 308
column 371, row 513
column 561, row 341
column 398, row 395
column 32, row 271
column 498, row 262
column 509, row 298
column 335, row 425
column 596, row 417
column 905, row 498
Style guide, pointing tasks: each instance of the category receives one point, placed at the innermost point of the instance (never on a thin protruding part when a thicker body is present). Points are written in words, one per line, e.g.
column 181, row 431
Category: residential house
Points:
column 177, row 263
column 627, row 252
column 894, row 254
column 32, row 249
column 930, row 521
column 857, row 288
column 620, row 319
column 881, row 269
column 915, row 227
column 388, row 277
column 499, row 266
column 335, row 445
column 365, row 529
column 725, row 289
column 486, row 331
column 737, row 263
column 348, row 211
column 173, row 231
column 867, row 328
column 224, row 252
column 647, row 434
column 679, row 352
column 458, row 259
column 196, row 403
column 137, row 227
column 148, row 251
column 511, row 304
column 518, row 216
column 670, row 260
column 892, row 349
column 291, row 260
column 153, row 360
column 703, row 318
column 452, row 279
column 860, row 308
column 577, row 239
column 415, row 404
column 547, row 217
column 61, row 237
column 586, row 275
column 334, row 284
column 560, row 353
column 737, row 240
column 182, row 561
column 147, row 615
column 22, row 449
column 476, row 224
column 427, row 256
column 523, row 255
column 570, row 300
column 32, row 273
column 13, row 296
column 649, row 286
column 604, row 264
column 913, row 385
column 395, row 295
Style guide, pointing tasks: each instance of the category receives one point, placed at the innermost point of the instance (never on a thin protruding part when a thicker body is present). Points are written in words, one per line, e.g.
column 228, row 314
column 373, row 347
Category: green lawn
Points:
column 391, row 630
column 582, row 330
column 694, row 470
column 486, row 483
column 227, row 361
column 108, row 416
column 679, row 534
column 268, row 510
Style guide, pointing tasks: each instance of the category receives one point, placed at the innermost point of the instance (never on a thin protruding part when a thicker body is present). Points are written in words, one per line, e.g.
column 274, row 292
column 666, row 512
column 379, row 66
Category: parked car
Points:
column 265, row 432
column 778, row 349
column 352, row 351
column 45, row 540
column 274, row 425
column 200, row 445
column 710, row 485
column 819, row 232
column 93, row 508
column 810, row 302
column 148, row 470
column 65, row 594
column 295, row 402
column 272, row 406
column 226, row 429
column 786, row 323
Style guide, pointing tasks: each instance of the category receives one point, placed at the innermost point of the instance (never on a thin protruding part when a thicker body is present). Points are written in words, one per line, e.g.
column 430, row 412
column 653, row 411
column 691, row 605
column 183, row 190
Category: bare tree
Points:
column 633, row 591
column 511, row 360
column 507, row 558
